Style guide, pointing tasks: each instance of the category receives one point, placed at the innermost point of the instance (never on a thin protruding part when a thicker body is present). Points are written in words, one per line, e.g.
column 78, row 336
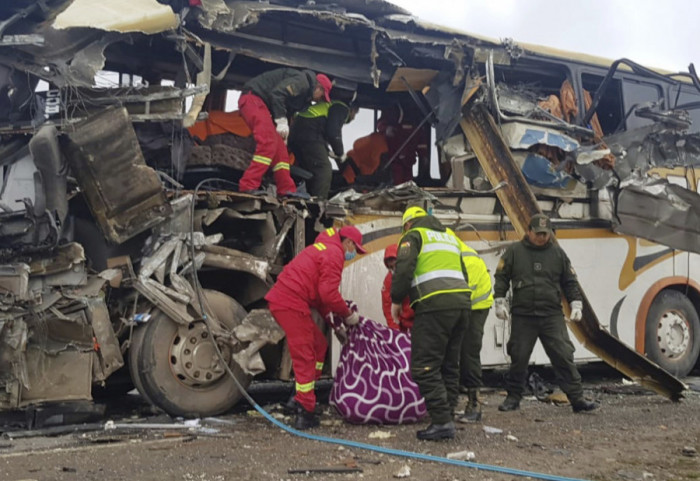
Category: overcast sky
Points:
column 655, row 33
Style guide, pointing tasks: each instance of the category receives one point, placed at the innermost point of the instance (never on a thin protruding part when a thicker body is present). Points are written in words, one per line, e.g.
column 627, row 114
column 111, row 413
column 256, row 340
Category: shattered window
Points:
column 639, row 94
column 610, row 111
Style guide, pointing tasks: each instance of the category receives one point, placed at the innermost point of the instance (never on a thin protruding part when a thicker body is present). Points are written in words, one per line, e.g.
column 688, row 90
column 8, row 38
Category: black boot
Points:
column 291, row 406
column 306, row 420
column 511, row 403
column 472, row 413
column 581, row 405
column 435, row 432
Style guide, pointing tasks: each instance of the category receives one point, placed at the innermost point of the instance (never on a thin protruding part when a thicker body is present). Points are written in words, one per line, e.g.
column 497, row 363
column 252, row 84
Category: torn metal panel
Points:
column 413, row 78
column 231, row 259
column 394, row 198
column 125, row 196
column 62, row 377
column 145, row 16
column 108, row 352
column 659, row 211
column 257, row 329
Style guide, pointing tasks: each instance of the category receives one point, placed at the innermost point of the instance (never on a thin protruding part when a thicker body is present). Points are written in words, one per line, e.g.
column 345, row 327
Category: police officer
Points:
column 312, row 131
column 539, row 270
column 470, row 356
column 429, row 269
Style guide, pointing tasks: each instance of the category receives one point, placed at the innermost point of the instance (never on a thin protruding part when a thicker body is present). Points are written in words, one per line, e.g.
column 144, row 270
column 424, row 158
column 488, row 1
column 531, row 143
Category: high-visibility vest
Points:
column 439, row 266
column 479, row 277
column 319, row 109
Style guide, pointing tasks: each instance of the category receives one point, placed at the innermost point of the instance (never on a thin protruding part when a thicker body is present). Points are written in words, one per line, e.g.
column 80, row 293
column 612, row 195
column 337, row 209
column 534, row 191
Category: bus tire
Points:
column 672, row 332
column 174, row 367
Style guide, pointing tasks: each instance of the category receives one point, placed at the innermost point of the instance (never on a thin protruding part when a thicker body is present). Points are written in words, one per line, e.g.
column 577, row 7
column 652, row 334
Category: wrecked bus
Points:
column 128, row 258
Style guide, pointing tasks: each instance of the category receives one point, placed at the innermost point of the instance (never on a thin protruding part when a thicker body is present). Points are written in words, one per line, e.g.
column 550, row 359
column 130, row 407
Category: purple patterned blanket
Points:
column 373, row 383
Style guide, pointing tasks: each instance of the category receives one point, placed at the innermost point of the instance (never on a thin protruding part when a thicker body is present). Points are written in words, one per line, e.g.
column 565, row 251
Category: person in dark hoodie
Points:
column 277, row 95
column 539, row 271
column 430, row 270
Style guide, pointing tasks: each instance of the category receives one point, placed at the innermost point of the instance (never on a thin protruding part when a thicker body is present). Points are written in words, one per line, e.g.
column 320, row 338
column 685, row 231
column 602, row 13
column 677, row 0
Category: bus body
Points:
column 100, row 174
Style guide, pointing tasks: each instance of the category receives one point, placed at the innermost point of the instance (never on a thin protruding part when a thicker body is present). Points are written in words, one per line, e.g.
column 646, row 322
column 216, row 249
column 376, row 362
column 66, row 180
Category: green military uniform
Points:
column 538, row 276
column 429, row 269
column 312, row 130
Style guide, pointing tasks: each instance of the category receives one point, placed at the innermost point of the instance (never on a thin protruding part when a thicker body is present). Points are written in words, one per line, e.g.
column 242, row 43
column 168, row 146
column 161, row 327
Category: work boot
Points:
column 510, row 404
column 296, row 195
column 436, row 432
column 582, row 405
column 306, row 420
column 255, row 192
column 292, row 406
column 472, row 413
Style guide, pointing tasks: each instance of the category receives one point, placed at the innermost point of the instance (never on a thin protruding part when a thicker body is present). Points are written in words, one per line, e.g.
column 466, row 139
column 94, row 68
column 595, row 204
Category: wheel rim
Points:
column 193, row 358
column 673, row 334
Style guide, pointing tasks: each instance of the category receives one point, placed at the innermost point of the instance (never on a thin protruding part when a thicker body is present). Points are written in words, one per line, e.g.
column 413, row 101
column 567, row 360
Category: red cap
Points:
column 351, row 232
column 327, row 85
column 390, row 252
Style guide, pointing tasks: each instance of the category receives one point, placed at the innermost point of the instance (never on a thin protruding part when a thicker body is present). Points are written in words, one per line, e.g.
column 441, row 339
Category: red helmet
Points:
column 390, row 252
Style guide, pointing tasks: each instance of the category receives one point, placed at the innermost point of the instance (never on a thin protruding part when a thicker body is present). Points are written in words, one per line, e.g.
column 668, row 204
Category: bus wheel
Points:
column 177, row 365
column 672, row 330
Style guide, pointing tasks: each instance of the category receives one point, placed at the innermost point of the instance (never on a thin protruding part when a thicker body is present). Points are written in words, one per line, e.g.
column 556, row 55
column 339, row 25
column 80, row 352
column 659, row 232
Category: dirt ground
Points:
column 635, row 435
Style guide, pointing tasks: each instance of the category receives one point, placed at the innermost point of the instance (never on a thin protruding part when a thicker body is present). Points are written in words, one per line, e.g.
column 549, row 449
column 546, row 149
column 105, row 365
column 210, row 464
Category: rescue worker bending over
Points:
column 276, row 94
column 470, row 356
column 313, row 129
column 311, row 281
column 405, row 321
column 539, row 270
column 429, row 268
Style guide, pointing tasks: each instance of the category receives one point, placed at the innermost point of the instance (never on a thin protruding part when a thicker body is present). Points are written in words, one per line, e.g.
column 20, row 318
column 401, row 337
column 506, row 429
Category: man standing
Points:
column 539, row 271
column 311, row 281
column 429, row 269
column 276, row 94
column 312, row 131
column 470, row 357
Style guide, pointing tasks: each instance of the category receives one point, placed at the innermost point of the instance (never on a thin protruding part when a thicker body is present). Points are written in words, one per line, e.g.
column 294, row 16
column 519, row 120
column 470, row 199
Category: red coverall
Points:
column 311, row 280
column 270, row 149
column 407, row 314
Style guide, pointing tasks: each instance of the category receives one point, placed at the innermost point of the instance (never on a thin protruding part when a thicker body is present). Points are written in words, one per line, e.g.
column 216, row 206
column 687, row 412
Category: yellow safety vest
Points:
column 319, row 109
column 438, row 269
column 479, row 277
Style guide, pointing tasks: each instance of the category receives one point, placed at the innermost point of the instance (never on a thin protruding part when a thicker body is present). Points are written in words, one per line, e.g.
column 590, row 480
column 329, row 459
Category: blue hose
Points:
column 409, row 454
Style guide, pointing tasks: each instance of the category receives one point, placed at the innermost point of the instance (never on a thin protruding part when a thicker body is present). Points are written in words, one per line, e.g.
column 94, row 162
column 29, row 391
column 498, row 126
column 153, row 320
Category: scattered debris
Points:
column 380, row 435
column 404, row 472
column 492, row 430
column 462, row 455
column 689, row 451
column 510, row 437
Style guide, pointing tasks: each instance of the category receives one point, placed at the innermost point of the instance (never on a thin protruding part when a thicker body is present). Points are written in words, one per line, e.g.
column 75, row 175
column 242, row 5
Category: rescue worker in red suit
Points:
column 404, row 146
column 311, row 281
column 276, row 94
column 405, row 321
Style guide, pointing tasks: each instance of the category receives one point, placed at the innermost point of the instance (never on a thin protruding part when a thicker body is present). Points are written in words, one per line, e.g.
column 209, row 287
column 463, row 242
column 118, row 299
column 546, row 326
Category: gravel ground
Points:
column 635, row 435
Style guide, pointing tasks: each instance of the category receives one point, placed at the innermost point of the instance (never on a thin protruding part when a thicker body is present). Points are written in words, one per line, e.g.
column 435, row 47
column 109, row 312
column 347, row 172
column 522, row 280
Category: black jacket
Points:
column 284, row 90
column 406, row 261
column 539, row 276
